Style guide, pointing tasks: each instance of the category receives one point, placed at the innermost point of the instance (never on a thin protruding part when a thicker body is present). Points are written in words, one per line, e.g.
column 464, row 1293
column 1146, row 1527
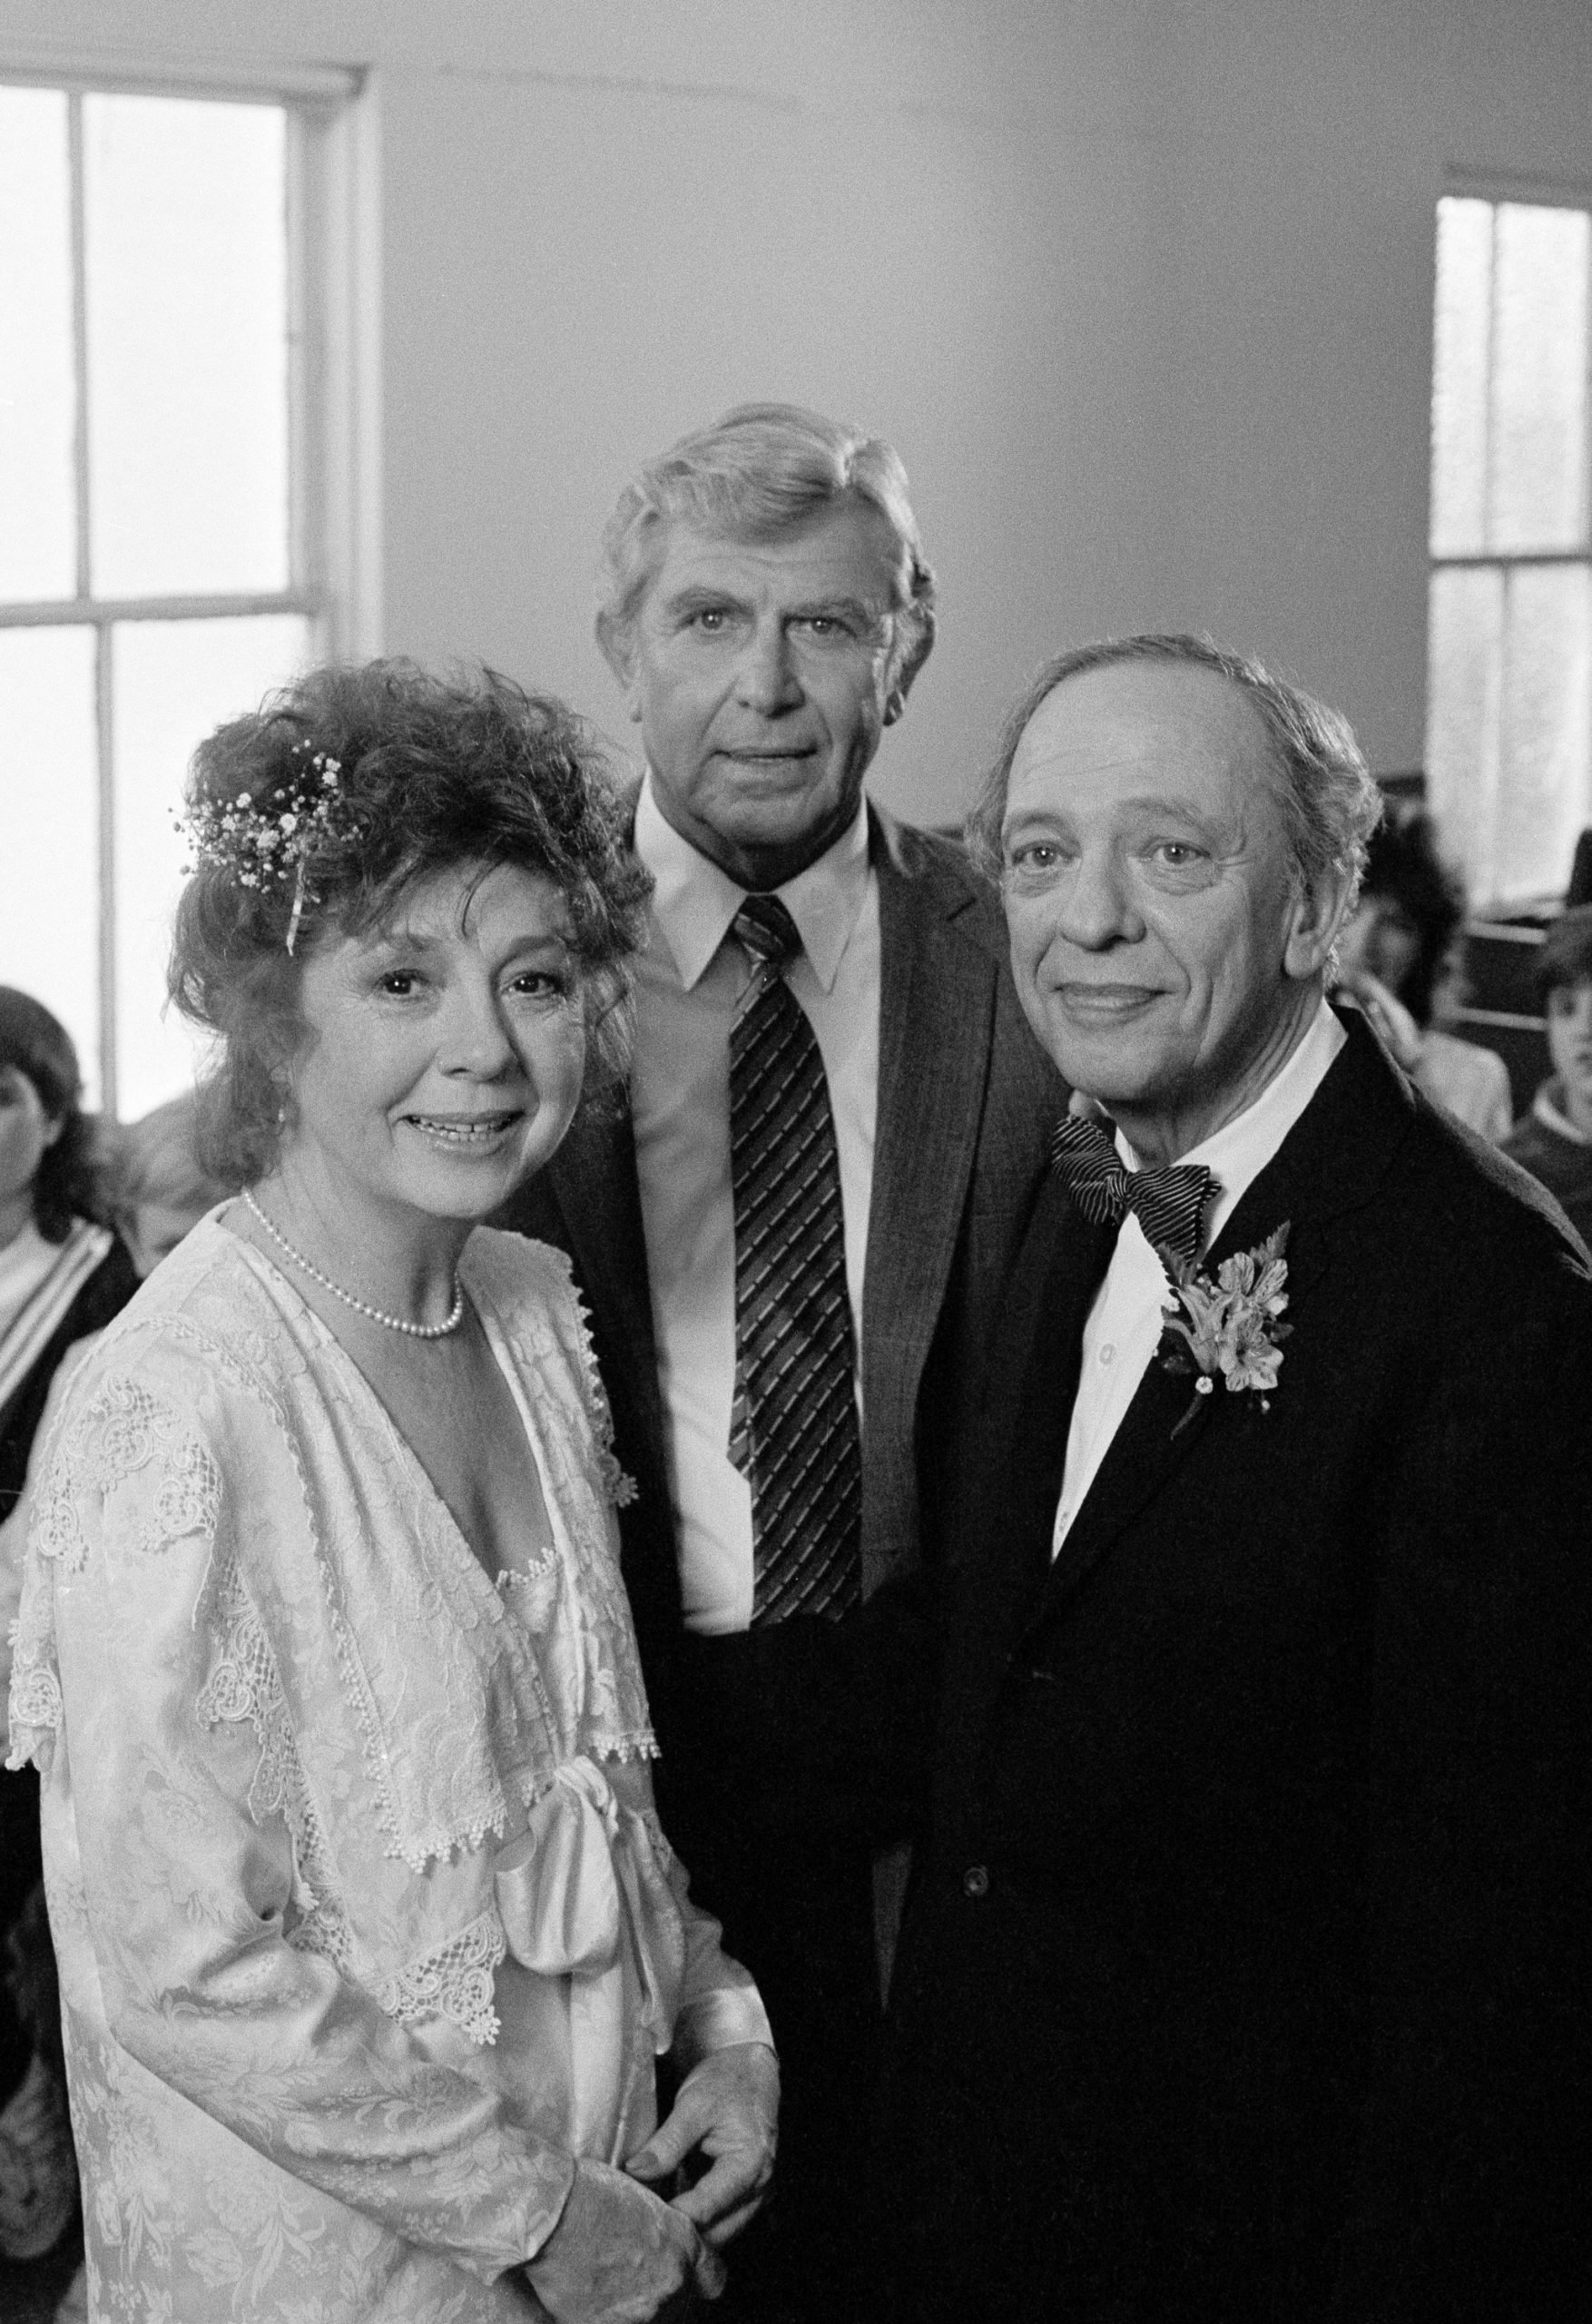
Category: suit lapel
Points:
column 937, row 1000
column 1159, row 1430
column 1333, row 1160
column 1042, row 1406
column 1001, row 1560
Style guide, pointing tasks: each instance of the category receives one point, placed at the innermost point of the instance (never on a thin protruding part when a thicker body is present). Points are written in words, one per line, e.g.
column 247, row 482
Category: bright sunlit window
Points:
column 163, row 487
column 1509, row 741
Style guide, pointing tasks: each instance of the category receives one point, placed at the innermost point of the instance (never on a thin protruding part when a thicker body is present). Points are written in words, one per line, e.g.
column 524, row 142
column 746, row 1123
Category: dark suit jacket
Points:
column 966, row 1102
column 1246, row 1976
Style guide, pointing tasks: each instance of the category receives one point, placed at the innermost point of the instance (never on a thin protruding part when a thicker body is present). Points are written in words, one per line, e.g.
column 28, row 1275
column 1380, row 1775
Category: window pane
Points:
column 49, row 863
column 174, row 681
column 1459, row 393
column 1539, row 380
column 1464, row 688
column 38, row 526
column 1546, row 728
column 186, row 221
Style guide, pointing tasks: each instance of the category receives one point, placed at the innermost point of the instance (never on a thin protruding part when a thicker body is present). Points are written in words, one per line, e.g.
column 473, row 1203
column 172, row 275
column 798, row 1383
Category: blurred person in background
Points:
column 161, row 1188
column 1399, row 957
column 368, row 1938
column 1554, row 1141
column 63, row 1273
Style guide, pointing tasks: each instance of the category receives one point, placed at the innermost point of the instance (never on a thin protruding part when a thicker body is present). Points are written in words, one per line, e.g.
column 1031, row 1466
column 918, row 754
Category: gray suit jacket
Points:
column 965, row 1103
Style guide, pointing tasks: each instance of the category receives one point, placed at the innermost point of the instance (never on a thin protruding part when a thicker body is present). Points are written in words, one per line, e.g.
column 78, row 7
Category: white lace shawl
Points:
column 351, row 1626
column 281, row 1711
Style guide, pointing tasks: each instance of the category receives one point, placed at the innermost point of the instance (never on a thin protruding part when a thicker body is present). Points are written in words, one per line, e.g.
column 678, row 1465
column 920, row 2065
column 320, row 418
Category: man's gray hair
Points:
column 758, row 472
column 1329, row 801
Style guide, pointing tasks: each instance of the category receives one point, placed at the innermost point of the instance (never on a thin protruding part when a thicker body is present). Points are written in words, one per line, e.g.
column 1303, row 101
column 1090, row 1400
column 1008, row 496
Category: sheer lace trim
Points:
column 95, row 1448
column 619, row 1486
column 452, row 1981
column 325, row 1930
column 35, row 1709
column 618, row 1483
column 106, row 1442
column 245, row 1684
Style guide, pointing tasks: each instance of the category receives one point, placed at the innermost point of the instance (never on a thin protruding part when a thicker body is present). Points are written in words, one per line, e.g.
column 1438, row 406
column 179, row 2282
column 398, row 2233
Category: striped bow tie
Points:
column 1169, row 1203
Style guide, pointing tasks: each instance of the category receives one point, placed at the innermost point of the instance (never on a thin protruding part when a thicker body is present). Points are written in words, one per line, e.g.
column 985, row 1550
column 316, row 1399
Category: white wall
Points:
column 1141, row 290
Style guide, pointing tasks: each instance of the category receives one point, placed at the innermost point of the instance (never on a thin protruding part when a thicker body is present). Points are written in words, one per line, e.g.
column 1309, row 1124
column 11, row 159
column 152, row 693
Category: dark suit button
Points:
column 976, row 1880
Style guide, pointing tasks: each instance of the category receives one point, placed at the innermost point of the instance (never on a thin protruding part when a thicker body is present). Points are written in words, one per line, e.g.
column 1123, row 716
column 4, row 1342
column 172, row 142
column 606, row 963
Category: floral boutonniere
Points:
column 1228, row 1329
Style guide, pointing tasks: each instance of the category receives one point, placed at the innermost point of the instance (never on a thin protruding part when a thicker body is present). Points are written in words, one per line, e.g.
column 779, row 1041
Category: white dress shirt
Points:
column 1126, row 1321
column 688, row 982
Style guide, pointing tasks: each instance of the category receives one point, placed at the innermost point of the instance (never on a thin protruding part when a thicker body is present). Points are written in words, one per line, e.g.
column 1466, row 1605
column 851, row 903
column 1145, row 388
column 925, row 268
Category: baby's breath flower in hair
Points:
column 262, row 843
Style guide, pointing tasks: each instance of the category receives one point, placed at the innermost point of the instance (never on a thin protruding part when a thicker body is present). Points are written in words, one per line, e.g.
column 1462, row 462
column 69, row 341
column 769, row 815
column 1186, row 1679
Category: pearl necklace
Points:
column 450, row 1322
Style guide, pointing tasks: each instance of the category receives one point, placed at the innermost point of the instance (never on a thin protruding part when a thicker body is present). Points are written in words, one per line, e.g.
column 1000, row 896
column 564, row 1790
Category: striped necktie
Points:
column 793, row 1428
column 1169, row 1203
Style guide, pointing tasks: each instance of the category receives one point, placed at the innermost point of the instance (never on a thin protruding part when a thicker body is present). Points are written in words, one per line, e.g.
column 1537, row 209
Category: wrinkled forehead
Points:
column 1141, row 732
column 844, row 545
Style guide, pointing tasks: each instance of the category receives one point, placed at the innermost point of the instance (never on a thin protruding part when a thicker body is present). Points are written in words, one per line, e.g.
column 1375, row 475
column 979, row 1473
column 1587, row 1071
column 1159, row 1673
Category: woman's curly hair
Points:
column 71, row 1181
column 434, row 775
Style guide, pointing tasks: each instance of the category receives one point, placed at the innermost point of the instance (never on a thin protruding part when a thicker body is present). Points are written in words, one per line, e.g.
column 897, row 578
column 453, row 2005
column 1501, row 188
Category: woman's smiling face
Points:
column 447, row 1046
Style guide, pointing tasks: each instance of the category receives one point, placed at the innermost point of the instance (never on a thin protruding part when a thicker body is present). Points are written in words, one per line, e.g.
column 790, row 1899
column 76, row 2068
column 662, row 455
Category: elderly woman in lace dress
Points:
column 369, row 1938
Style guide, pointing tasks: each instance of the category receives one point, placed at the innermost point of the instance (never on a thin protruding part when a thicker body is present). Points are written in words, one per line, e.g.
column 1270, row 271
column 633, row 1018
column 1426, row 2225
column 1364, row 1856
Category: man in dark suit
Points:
column 834, row 1133
column 1245, row 1974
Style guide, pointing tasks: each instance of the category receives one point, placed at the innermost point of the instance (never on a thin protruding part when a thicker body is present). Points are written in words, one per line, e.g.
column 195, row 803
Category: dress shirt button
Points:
column 1107, row 1353
column 976, row 1880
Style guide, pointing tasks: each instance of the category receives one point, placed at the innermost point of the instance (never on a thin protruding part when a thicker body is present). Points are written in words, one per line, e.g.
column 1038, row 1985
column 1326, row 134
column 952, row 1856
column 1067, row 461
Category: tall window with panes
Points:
column 1509, row 694
column 161, row 564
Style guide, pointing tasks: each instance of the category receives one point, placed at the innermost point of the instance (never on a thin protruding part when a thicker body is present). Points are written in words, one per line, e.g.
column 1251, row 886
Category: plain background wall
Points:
column 1140, row 289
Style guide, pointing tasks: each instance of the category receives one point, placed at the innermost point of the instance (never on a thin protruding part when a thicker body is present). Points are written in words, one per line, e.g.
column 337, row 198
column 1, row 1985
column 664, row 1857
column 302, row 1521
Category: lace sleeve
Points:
column 188, row 1866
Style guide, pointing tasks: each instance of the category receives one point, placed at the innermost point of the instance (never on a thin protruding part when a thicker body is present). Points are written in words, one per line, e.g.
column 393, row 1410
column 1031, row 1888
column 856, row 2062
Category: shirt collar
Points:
column 1237, row 1153
column 695, row 901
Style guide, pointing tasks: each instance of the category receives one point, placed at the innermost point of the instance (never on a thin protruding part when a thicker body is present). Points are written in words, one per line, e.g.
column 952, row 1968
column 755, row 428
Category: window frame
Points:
column 333, row 568
column 1501, row 190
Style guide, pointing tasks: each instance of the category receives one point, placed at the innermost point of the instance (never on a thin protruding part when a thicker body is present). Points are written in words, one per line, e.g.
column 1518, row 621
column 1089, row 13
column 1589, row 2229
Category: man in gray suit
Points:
column 794, row 1235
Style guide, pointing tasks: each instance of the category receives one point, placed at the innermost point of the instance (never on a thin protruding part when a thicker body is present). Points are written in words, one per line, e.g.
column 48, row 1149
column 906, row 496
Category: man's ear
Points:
column 616, row 640
column 908, row 655
column 1318, row 912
